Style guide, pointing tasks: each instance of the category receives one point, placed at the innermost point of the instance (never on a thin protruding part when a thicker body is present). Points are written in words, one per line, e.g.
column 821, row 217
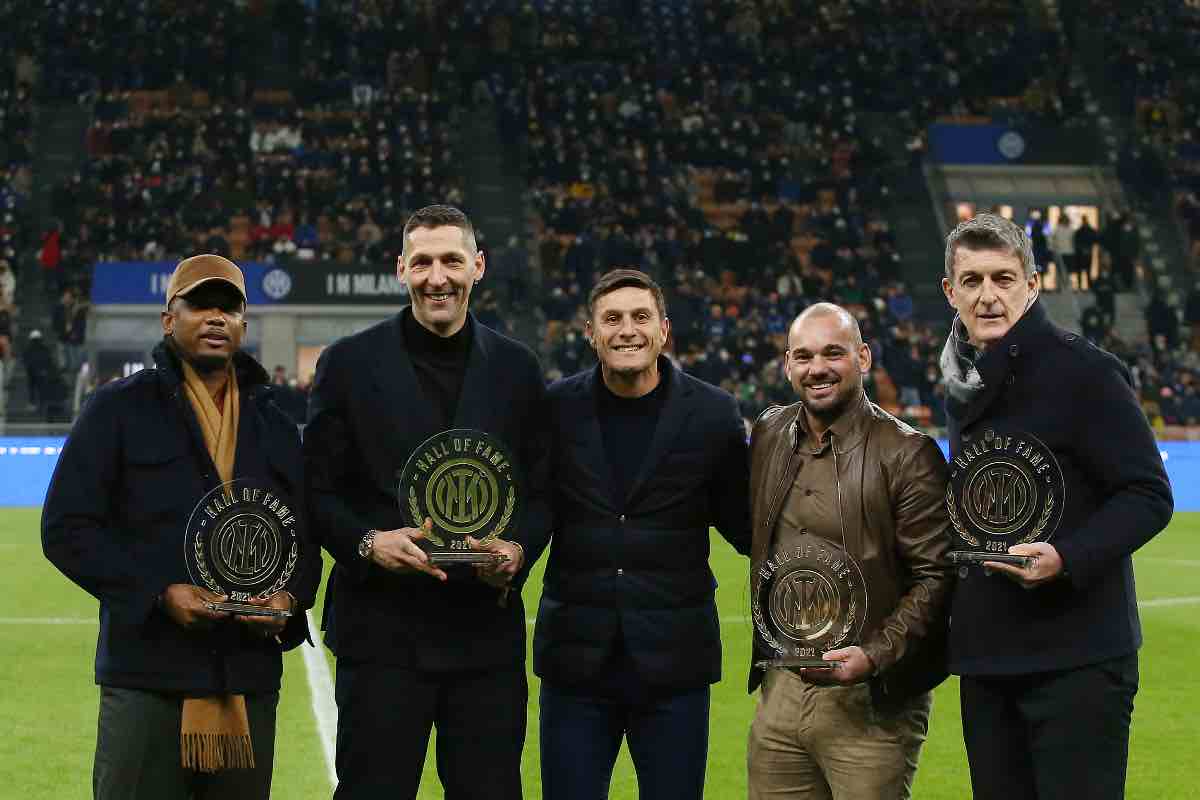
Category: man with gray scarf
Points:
column 1047, row 650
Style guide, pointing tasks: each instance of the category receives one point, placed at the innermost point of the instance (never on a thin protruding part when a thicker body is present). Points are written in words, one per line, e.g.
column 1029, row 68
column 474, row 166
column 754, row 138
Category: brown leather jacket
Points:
column 893, row 484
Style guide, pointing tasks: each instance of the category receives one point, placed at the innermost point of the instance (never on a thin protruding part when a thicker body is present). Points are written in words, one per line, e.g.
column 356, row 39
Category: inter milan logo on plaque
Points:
column 807, row 599
column 246, row 548
column 804, row 604
column 462, row 494
column 242, row 541
column 465, row 483
column 1005, row 489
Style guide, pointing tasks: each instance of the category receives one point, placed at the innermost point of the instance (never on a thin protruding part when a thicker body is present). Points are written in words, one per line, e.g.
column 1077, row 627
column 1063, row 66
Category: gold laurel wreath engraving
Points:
column 417, row 521
column 958, row 526
column 1042, row 521
column 286, row 575
column 202, row 568
column 851, row 613
column 509, row 506
column 759, row 623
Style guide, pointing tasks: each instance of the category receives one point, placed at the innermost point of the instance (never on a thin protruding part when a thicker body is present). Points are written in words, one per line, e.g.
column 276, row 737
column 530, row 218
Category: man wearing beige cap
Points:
column 187, row 693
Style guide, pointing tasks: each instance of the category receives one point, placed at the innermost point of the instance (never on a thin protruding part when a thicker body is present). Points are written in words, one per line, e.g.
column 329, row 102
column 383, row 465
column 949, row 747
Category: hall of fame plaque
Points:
column 241, row 541
column 1005, row 489
column 465, row 483
column 807, row 599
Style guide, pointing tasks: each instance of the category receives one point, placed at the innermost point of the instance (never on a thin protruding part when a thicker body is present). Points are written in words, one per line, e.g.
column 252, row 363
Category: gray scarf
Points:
column 963, row 381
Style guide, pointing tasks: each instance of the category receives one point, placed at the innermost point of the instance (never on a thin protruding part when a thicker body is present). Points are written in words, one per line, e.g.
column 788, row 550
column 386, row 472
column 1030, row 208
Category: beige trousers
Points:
column 829, row 743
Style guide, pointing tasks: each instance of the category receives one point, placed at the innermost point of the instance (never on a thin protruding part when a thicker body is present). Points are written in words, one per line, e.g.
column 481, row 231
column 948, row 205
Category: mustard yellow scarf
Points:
column 215, row 733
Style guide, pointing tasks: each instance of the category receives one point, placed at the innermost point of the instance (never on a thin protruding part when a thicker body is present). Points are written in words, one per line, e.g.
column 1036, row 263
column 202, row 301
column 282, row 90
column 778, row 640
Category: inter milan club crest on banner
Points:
column 807, row 599
column 465, row 483
column 1005, row 489
column 242, row 541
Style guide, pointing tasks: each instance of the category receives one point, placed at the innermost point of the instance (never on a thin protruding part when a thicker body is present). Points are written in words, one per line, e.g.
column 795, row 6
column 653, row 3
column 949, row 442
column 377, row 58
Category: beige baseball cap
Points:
column 191, row 272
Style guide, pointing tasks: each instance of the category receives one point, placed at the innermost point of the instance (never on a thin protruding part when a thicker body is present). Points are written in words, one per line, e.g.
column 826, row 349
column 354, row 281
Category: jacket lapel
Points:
column 590, row 441
column 397, row 385
column 675, row 412
column 476, row 408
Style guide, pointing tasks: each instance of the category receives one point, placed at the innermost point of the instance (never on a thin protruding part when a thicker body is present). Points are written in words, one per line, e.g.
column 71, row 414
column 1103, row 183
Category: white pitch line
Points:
column 1175, row 562
column 321, row 680
column 320, row 685
column 1159, row 602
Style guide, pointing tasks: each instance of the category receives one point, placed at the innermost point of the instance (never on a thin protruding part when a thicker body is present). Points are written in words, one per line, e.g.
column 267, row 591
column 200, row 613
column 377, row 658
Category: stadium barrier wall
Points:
column 27, row 463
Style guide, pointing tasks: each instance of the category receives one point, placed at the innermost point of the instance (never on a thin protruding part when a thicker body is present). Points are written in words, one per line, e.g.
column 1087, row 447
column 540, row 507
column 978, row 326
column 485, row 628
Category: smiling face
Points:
column 207, row 325
column 440, row 271
column 990, row 292
column 825, row 363
column 628, row 332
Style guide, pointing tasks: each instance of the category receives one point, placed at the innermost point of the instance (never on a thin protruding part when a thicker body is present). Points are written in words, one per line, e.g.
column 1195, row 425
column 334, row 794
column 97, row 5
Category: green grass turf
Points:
column 48, row 705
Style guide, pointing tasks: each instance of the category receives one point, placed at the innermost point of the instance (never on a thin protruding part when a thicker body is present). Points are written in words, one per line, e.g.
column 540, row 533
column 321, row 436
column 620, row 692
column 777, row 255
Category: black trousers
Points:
column 385, row 714
column 138, row 755
column 1050, row 735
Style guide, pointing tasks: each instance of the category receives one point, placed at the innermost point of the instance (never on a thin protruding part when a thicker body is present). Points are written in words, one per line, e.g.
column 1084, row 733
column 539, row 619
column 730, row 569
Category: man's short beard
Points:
column 841, row 405
column 204, row 365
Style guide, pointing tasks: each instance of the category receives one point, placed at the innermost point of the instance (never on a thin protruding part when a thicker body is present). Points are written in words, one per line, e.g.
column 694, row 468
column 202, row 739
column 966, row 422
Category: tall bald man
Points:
column 837, row 466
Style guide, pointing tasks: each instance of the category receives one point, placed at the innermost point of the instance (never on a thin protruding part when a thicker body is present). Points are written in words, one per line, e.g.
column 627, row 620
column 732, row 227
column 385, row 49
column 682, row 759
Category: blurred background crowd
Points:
column 745, row 153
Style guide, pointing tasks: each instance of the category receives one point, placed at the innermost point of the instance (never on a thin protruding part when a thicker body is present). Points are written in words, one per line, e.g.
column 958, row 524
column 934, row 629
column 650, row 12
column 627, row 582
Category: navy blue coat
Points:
column 367, row 413
column 127, row 480
column 1079, row 401
column 637, row 567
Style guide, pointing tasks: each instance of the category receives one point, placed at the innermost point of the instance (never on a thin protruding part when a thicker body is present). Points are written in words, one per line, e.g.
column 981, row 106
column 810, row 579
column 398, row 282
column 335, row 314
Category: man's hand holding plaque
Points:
column 1042, row 564
column 398, row 550
column 500, row 571
column 192, row 607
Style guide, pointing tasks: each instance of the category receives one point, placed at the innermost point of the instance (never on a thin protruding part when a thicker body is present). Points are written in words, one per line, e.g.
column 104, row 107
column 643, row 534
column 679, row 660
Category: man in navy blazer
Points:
column 645, row 459
column 417, row 645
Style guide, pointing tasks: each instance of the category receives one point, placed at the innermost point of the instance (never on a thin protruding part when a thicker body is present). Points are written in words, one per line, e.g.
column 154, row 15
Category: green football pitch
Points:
column 48, row 700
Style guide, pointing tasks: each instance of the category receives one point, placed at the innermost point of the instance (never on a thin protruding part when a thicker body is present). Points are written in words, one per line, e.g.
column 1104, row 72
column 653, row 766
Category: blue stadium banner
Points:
column 286, row 283
column 26, row 465
column 997, row 143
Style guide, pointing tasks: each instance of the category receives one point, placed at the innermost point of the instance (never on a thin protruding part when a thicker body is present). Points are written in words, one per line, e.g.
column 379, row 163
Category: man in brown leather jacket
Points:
column 836, row 466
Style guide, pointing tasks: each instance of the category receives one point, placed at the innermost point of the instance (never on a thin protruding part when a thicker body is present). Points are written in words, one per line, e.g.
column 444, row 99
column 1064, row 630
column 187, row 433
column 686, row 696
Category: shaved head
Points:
column 820, row 310
column 826, row 362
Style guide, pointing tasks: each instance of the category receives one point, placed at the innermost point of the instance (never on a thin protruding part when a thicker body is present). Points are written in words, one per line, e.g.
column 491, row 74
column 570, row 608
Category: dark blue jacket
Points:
column 1078, row 400
column 367, row 413
column 128, row 478
column 638, row 567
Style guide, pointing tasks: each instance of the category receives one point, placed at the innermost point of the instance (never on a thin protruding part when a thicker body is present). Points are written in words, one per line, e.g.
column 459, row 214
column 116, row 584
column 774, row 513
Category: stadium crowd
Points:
column 746, row 192
column 750, row 194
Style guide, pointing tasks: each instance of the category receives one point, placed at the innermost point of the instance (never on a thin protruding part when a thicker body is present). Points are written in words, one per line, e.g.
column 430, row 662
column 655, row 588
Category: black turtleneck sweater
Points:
column 440, row 363
column 627, row 426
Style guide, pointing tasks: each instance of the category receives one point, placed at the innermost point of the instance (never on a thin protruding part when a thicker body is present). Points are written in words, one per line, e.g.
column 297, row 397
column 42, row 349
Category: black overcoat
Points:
column 367, row 413
column 1079, row 401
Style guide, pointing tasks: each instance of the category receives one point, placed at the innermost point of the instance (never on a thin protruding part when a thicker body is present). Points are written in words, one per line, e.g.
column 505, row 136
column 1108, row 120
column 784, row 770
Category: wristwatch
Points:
column 367, row 545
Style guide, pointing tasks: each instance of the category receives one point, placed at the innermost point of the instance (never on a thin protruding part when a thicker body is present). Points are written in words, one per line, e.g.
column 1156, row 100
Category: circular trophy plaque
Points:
column 242, row 541
column 807, row 600
column 1005, row 489
column 465, row 482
